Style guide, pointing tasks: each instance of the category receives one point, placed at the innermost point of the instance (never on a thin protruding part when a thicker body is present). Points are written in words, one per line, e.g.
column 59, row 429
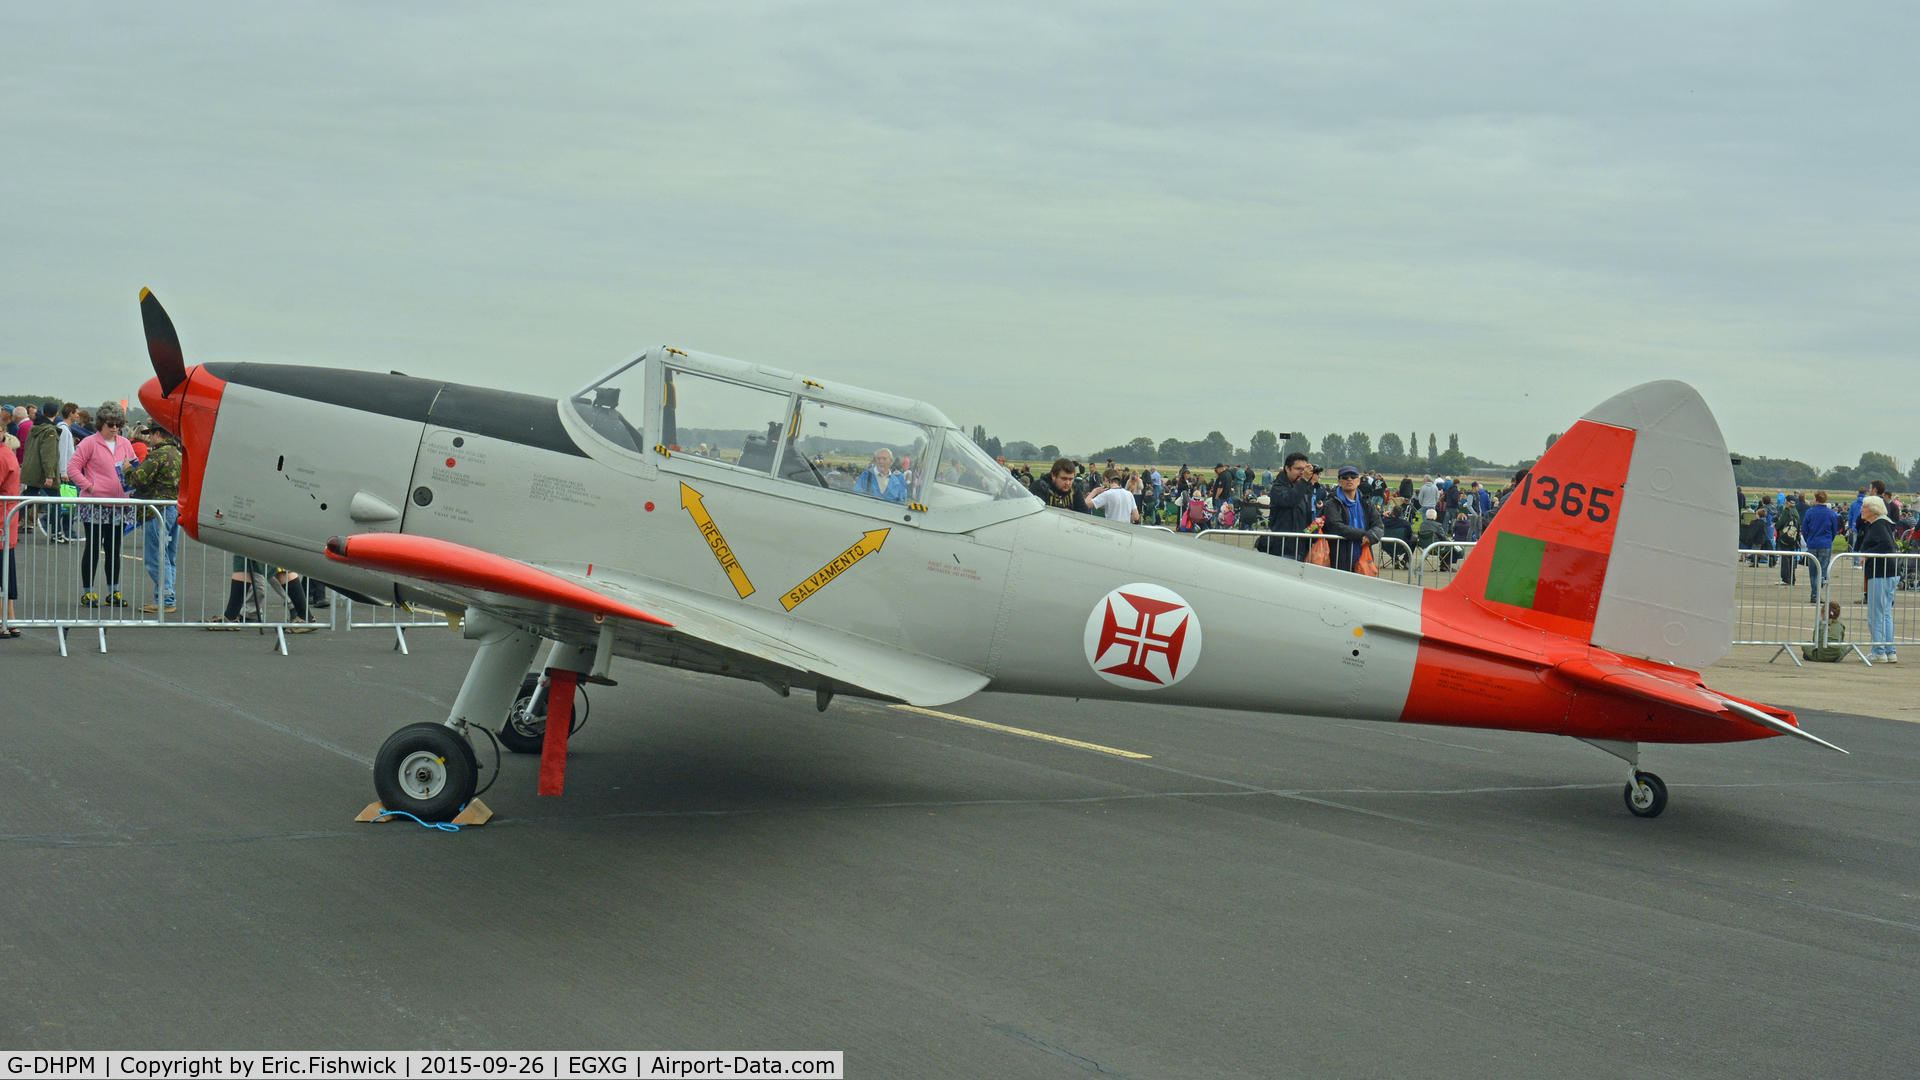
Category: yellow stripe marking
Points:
column 1041, row 735
column 868, row 543
column 690, row 501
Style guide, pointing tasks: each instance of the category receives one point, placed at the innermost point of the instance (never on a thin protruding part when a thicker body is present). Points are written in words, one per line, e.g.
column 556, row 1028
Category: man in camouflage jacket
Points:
column 158, row 477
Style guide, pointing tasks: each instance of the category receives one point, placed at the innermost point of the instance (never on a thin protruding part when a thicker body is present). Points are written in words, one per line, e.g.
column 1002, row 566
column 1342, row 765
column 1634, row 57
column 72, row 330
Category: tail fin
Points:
column 1622, row 534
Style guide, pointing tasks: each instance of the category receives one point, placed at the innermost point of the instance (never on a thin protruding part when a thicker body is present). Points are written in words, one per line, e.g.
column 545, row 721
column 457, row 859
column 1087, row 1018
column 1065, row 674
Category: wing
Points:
column 659, row 622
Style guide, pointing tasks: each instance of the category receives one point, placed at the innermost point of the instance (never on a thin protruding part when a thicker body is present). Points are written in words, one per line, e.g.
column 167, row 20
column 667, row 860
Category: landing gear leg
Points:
column 1646, row 794
column 429, row 770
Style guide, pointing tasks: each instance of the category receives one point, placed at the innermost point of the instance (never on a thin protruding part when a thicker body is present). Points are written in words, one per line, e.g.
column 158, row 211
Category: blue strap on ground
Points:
column 443, row 826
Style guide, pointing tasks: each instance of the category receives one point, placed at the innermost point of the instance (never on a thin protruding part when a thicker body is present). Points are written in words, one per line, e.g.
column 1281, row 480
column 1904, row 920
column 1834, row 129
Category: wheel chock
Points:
column 475, row 813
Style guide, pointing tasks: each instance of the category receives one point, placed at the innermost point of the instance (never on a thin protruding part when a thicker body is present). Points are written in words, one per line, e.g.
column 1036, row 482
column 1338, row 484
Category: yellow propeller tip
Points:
column 145, row 293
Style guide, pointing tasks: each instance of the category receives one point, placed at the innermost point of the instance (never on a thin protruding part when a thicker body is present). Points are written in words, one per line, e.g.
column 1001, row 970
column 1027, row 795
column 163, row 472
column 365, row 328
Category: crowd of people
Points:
column 1352, row 514
column 62, row 451
column 1873, row 522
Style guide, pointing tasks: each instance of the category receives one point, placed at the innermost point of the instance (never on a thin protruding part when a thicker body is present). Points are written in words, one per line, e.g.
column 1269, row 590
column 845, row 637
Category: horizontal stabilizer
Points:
column 442, row 562
column 1632, row 683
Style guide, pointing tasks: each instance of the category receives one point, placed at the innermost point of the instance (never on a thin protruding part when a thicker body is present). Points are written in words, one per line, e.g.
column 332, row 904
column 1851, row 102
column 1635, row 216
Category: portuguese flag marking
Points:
column 1546, row 576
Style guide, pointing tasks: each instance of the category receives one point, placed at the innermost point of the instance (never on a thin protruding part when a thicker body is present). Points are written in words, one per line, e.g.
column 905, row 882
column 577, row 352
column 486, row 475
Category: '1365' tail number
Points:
column 1568, row 497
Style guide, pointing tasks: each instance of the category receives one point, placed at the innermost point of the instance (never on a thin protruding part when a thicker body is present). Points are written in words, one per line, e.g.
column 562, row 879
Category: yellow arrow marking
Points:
column 690, row 502
column 867, row 544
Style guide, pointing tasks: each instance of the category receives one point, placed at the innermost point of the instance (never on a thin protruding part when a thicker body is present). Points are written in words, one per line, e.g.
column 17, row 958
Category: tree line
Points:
column 1266, row 450
column 1390, row 453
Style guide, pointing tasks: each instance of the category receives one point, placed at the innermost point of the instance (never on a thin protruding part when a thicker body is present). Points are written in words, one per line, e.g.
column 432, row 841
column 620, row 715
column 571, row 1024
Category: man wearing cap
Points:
column 1351, row 522
column 158, row 477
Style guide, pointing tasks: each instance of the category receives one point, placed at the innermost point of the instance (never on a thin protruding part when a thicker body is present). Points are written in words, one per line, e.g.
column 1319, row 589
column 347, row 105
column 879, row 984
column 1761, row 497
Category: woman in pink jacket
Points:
column 95, row 470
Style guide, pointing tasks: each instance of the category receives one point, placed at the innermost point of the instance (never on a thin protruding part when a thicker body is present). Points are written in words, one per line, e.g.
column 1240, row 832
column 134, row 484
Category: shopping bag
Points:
column 1317, row 554
column 1364, row 564
column 69, row 492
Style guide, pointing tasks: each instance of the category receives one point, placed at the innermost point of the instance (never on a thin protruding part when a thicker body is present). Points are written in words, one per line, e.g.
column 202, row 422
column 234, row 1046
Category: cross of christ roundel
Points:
column 1143, row 637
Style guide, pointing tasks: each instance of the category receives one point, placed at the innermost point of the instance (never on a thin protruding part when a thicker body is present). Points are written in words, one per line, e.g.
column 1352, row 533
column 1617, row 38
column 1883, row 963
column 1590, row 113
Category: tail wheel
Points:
column 427, row 770
column 525, row 734
column 1646, row 795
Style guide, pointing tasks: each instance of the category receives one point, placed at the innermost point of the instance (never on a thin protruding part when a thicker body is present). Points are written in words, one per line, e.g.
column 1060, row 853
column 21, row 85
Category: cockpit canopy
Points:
column 774, row 423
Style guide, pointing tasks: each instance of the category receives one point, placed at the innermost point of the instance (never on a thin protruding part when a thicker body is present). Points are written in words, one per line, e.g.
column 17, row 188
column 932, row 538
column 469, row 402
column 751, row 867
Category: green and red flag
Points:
column 1546, row 576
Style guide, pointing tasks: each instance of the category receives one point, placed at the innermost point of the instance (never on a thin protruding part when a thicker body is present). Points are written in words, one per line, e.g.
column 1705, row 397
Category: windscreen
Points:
column 599, row 405
column 966, row 475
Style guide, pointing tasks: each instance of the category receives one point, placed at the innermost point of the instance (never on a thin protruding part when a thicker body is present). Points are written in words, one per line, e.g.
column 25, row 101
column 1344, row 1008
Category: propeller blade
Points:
column 163, row 344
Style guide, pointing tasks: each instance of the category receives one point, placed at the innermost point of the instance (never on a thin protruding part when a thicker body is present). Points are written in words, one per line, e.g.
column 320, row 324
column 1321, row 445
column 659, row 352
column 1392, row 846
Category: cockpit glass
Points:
column 599, row 406
column 722, row 421
column 966, row 475
column 853, row 450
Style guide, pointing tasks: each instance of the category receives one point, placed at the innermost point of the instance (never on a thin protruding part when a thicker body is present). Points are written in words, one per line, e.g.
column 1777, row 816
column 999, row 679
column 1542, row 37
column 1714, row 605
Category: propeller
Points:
column 163, row 344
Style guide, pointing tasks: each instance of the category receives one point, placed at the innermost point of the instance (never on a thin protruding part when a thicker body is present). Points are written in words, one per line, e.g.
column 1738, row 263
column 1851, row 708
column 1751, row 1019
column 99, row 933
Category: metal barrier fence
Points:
column 1392, row 557
column 1439, row 561
column 71, row 575
column 1847, row 585
column 1767, row 605
column 347, row 615
column 70, row 572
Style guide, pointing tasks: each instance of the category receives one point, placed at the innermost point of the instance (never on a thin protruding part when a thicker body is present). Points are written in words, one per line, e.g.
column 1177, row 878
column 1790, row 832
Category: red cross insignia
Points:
column 1142, row 637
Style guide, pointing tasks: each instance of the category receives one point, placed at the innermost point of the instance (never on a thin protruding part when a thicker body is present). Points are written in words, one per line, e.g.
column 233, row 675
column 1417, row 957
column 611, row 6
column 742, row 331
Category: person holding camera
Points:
column 1291, row 505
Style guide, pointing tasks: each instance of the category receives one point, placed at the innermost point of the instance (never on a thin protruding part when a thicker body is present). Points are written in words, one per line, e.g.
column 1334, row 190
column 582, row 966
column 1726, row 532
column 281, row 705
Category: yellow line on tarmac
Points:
column 1023, row 731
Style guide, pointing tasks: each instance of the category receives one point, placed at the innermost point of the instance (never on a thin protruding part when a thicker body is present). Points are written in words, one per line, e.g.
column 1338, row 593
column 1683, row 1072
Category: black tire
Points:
column 525, row 737
column 440, row 767
column 1653, row 796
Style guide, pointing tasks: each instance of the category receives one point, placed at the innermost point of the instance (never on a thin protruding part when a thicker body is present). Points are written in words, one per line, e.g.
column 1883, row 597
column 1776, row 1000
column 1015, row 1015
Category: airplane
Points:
column 680, row 510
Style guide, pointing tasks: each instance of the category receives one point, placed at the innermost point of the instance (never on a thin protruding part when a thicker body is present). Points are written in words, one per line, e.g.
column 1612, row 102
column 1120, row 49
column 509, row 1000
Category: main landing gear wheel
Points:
column 525, row 734
column 427, row 770
column 1646, row 795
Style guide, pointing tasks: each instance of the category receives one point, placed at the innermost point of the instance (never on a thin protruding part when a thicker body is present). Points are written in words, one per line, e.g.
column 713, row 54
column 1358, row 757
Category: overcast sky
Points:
column 1074, row 223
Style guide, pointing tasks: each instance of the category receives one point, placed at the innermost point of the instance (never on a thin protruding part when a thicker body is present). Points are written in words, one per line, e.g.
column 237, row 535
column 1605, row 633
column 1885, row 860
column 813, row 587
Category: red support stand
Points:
column 553, row 751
